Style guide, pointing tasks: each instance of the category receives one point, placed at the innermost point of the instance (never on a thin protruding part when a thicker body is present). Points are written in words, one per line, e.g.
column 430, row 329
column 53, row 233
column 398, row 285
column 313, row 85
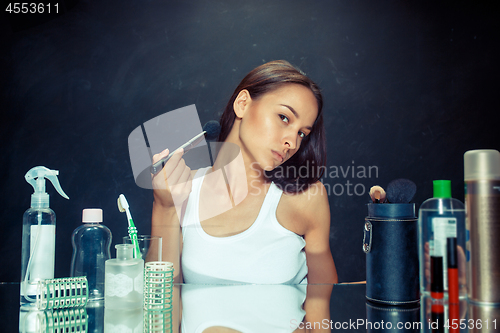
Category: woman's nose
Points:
column 290, row 140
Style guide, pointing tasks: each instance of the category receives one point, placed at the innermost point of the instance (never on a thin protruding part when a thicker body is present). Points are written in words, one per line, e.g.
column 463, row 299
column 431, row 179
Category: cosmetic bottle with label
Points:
column 91, row 242
column 441, row 238
column 39, row 234
column 124, row 280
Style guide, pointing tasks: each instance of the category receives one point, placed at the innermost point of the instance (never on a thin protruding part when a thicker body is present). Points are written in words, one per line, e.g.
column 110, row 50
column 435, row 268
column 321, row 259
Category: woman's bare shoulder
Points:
column 308, row 207
column 312, row 197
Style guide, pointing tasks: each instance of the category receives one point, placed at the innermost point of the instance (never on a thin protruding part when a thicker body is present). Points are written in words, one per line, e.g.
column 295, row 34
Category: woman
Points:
column 263, row 218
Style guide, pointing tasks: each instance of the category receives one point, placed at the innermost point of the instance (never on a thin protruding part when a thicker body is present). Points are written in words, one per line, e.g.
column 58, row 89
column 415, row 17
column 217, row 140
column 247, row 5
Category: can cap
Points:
column 441, row 188
column 482, row 164
column 92, row 215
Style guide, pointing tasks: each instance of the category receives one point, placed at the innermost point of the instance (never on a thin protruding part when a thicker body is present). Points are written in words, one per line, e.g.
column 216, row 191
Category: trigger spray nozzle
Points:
column 36, row 177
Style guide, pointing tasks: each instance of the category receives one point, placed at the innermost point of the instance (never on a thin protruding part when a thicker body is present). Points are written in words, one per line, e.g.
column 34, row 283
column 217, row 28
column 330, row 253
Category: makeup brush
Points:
column 401, row 191
column 211, row 131
column 377, row 194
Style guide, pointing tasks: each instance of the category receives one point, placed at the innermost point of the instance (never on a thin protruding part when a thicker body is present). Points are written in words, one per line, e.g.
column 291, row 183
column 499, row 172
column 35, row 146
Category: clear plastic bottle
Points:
column 91, row 248
column 39, row 234
column 124, row 280
column 441, row 217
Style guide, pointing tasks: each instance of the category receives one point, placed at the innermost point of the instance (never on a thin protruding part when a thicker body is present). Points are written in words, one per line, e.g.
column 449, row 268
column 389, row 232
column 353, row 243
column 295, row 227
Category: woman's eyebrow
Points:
column 295, row 114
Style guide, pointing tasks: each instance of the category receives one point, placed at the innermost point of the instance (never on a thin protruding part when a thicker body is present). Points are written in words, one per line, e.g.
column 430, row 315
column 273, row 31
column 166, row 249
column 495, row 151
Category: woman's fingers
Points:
column 159, row 156
column 180, row 191
column 171, row 164
column 178, row 180
column 175, row 167
column 172, row 184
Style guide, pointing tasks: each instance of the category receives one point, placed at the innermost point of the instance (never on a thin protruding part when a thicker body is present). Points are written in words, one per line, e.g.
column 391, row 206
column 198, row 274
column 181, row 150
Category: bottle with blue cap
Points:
column 39, row 234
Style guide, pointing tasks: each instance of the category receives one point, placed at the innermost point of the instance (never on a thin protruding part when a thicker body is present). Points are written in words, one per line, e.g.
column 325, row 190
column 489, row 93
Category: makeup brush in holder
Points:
column 390, row 244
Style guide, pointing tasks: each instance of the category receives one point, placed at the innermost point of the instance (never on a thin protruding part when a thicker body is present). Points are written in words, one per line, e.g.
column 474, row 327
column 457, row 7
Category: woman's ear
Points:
column 241, row 103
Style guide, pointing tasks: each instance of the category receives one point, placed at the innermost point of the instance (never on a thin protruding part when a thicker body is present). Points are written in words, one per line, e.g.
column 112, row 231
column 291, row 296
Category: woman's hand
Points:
column 172, row 184
column 171, row 188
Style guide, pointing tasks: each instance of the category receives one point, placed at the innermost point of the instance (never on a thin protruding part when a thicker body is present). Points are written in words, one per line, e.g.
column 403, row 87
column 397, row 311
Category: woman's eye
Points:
column 284, row 118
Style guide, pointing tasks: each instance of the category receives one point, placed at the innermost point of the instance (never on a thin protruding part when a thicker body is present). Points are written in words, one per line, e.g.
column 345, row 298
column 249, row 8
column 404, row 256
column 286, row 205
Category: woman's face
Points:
column 273, row 126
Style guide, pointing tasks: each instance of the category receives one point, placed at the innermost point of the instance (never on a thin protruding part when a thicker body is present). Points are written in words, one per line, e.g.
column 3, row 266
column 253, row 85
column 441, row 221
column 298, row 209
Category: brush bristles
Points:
column 120, row 208
column 401, row 191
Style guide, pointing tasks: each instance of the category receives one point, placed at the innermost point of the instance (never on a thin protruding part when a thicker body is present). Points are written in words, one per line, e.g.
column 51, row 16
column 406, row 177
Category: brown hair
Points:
column 312, row 152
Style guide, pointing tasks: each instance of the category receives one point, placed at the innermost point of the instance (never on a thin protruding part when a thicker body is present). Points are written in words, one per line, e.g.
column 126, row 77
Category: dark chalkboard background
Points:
column 409, row 86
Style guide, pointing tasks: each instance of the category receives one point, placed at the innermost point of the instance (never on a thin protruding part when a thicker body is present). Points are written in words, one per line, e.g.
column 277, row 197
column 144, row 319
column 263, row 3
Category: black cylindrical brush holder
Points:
column 392, row 318
column 390, row 244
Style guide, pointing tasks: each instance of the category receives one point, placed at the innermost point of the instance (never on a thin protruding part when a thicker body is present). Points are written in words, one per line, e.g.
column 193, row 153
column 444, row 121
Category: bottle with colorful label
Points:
column 441, row 234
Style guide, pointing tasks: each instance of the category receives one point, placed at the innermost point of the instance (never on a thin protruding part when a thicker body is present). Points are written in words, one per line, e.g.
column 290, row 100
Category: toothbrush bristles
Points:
column 120, row 207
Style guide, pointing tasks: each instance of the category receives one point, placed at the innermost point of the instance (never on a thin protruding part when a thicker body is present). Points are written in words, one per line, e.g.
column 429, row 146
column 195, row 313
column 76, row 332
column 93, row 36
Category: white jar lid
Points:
column 92, row 215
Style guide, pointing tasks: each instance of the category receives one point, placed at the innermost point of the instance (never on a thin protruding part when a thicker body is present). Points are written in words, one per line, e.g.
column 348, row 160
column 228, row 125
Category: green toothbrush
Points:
column 132, row 230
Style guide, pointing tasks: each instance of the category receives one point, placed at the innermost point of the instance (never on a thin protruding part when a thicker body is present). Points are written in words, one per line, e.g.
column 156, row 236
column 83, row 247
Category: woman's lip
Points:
column 278, row 156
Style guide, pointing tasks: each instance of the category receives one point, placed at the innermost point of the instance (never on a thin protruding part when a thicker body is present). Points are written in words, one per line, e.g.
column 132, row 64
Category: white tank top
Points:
column 265, row 253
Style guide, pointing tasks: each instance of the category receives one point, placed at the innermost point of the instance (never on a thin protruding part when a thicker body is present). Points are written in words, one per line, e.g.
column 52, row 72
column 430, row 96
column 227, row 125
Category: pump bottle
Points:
column 39, row 234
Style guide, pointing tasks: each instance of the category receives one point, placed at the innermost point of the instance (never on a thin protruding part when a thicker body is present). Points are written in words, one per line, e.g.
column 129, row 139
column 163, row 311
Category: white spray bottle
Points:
column 39, row 234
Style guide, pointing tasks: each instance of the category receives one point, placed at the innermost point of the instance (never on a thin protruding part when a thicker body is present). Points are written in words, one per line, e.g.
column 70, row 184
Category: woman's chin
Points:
column 271, row 167
column 267, row 166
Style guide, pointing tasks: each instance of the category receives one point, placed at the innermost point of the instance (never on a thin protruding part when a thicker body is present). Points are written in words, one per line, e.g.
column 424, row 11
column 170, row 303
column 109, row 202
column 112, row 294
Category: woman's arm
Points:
column 171, row 190
column 322, row 273
column 316, row 213
column 165, row 223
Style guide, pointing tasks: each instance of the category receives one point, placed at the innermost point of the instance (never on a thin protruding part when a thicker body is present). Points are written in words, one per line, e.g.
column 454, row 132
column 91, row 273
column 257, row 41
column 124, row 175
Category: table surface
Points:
column 269, row 308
